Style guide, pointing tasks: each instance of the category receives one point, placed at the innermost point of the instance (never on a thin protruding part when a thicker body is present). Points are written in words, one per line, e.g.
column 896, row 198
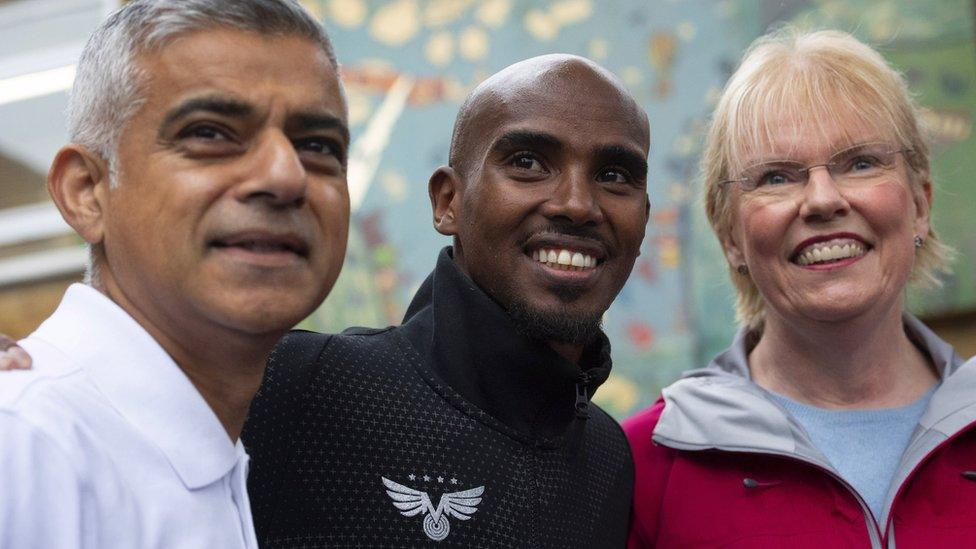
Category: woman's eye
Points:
column 862, row 163
column 526, row 162
column 774, row 178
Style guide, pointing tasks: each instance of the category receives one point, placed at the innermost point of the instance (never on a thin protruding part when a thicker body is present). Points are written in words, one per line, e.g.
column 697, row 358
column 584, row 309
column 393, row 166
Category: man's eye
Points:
column 613, row 175
column 205, row 132
column 321, row 152
column 525, row 161
column 316, row 145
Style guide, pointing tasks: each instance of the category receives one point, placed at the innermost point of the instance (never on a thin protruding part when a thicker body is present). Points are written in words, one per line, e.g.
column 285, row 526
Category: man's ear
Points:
column 78, row 183
column 445, row 199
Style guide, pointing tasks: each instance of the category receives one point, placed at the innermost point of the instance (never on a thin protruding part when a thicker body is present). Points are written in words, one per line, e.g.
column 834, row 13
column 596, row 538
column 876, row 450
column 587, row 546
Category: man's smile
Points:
column 264, row 248
column 564, row 259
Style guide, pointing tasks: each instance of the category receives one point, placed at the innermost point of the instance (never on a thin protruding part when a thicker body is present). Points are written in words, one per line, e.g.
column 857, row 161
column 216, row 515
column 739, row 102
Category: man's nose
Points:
column 575, row 199
column 277, row 176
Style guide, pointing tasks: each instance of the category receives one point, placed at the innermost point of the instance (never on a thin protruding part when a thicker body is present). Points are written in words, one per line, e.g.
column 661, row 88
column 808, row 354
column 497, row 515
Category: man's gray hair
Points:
column 106, row 91
column 108, row 84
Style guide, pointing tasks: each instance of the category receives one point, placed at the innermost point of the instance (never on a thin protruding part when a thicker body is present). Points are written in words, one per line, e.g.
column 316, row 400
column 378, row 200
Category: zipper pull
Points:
column 582, row 398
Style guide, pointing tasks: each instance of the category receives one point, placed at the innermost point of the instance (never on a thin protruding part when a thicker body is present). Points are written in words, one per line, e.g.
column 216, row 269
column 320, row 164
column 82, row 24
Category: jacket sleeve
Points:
column 652, row 467
column 41, row 505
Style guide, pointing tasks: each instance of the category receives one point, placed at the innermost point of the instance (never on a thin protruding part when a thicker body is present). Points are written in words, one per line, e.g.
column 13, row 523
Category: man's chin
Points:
column 263, row 313
column 558, row 324
column 568, row 294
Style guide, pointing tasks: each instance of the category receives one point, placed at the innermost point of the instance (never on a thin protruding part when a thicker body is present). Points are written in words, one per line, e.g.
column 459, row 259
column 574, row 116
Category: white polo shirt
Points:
column 107, row 444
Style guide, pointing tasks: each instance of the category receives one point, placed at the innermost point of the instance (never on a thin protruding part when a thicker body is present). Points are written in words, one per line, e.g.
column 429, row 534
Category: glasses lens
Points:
column 773, row 177
column 862, row 164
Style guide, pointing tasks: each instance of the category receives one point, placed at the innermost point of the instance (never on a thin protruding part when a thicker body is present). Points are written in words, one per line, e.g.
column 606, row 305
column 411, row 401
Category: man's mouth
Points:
column 833, row 250
column 262, row 243
column 564, row 259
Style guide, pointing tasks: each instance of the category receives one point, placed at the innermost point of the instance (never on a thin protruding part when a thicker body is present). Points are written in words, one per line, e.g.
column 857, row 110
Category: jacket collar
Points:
column 720, row 407
column 734, row 360
column 469, row 343
column 142, row 382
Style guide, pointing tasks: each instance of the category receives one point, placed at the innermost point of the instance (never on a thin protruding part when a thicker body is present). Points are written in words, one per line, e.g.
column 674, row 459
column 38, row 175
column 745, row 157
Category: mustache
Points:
column 584, row 232
column 276, row 224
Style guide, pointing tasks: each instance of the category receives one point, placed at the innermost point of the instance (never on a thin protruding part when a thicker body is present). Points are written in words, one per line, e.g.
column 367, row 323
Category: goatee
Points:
column 560, row 326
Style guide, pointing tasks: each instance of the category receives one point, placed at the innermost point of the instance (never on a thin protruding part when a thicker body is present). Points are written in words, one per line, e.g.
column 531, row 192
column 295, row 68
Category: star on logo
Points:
column 440, row 479
column 412, row 476
column 453, row 481
column 426, row 478
column 410, row 502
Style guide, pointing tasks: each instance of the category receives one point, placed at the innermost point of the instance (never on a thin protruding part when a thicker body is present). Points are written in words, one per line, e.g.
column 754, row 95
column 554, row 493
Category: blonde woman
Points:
column 835, row 419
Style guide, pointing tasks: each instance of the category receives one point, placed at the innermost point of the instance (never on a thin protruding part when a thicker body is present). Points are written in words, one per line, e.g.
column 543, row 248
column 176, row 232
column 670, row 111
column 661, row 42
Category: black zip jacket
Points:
column 451, row 430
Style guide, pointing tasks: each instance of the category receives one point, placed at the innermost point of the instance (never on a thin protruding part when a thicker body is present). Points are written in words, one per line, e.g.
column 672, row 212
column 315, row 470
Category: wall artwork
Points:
column 409, row 63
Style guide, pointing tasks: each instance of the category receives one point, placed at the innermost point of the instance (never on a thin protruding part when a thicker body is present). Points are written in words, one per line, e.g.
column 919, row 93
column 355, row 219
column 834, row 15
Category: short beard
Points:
column 559, row 326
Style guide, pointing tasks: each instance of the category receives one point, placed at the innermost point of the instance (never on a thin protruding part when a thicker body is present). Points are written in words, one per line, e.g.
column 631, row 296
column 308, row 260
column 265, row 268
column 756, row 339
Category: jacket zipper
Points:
column 865, row 510
column 582, row 398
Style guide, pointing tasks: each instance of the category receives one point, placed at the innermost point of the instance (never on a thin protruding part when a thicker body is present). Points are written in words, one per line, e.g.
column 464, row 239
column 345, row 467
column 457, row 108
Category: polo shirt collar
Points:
column 142, row 383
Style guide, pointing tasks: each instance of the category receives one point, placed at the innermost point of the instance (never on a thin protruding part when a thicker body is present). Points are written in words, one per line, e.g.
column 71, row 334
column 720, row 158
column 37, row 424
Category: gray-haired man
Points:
column 207, row 172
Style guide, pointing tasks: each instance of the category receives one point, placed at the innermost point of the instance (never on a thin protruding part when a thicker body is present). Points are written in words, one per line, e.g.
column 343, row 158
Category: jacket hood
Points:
column 734, row 360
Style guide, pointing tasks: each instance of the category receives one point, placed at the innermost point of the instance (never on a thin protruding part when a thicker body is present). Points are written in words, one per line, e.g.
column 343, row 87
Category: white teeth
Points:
column 830, row 251
column 564, row 259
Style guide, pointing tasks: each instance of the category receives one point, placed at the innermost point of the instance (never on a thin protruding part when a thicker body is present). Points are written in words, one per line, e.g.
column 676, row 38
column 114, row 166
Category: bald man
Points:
column 471, row 423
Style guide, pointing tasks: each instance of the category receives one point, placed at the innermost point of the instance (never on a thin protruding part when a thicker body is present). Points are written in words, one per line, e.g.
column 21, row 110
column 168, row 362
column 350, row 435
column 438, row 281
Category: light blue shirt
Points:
column 864, row 446
column 107, row 444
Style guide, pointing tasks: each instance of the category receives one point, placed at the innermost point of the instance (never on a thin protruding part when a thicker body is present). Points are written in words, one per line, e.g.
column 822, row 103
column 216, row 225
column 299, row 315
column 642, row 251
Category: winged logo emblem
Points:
column 411, row 502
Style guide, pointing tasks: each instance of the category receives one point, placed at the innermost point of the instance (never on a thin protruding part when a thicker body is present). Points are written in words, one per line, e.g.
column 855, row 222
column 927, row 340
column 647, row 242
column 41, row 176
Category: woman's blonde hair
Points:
column 809, row 80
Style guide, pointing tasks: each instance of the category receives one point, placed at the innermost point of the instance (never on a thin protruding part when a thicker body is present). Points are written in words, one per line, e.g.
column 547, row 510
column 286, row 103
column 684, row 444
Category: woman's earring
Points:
column 918, row 241
column 742, row 269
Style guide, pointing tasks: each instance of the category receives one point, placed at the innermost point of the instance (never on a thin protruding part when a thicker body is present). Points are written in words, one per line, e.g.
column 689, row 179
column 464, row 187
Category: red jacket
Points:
column 728, row 467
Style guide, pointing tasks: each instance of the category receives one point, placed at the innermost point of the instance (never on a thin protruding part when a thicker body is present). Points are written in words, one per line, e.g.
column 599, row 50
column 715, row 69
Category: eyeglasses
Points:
column 858, row 166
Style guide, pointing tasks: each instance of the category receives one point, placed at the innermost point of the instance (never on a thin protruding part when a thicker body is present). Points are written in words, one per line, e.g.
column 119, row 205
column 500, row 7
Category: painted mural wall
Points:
column 409, row 63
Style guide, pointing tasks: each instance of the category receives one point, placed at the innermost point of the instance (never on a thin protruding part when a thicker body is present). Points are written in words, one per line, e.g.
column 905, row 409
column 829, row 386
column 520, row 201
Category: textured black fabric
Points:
column 471, row 347
column 325, row 432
